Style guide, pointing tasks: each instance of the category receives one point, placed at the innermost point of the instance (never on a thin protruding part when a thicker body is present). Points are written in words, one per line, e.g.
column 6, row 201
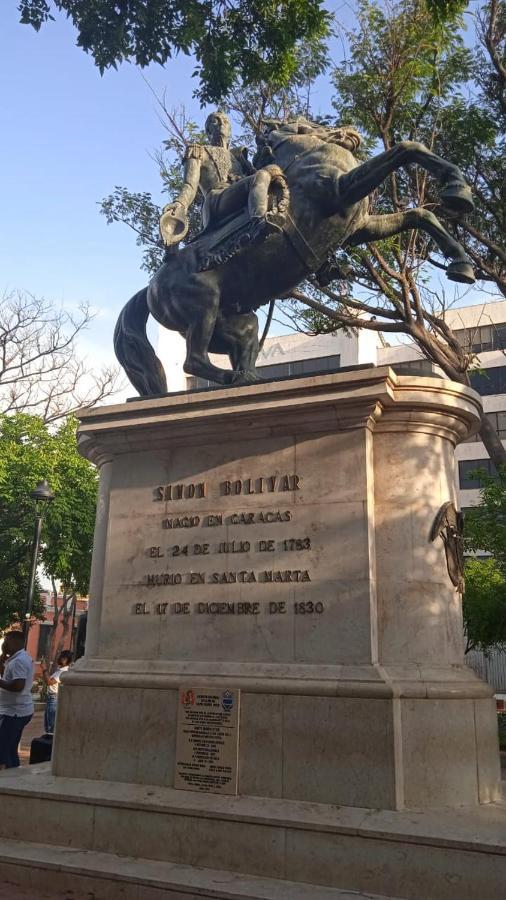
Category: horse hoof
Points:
column 241, row 378
column 461, row 271
column 458, row 198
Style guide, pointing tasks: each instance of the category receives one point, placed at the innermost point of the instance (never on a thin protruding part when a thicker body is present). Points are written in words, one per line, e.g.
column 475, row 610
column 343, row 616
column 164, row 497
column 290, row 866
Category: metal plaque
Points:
column 207, row 748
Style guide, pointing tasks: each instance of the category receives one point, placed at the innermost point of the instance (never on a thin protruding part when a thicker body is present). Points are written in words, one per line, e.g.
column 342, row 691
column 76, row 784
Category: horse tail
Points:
column 133, row 350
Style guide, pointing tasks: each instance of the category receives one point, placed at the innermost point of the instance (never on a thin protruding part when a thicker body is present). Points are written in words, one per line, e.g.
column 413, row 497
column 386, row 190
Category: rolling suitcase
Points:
column 40, row 749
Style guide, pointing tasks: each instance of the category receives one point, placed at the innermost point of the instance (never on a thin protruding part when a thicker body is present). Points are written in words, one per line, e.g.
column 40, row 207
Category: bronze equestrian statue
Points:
column 263, row 235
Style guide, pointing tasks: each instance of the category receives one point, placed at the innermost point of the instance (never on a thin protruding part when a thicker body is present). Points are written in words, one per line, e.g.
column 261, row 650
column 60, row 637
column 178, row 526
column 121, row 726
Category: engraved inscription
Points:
column 261, row 485
column 229, row 559
column 266, row 484
column 179, row 491
column 233, row 608
column 244, row 576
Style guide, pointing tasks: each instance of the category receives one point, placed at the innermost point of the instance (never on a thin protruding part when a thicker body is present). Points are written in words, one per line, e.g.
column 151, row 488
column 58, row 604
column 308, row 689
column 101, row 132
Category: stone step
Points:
column 84, row 873
column 431, row 855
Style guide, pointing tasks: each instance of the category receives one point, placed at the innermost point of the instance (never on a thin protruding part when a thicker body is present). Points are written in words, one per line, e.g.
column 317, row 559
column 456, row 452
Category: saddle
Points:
column 216, row 244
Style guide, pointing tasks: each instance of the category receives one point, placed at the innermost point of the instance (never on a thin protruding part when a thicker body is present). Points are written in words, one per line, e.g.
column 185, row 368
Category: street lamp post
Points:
column 42, row 494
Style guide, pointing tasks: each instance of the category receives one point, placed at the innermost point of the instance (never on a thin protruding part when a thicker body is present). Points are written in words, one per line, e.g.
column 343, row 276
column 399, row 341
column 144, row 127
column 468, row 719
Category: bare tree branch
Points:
column 40, row 371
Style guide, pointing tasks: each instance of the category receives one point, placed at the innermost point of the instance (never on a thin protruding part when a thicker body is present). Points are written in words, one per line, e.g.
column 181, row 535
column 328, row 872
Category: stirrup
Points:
column 263, row 227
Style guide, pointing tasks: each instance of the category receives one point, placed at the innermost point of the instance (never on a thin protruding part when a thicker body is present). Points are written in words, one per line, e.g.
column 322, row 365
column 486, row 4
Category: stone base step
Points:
column 83, row 873
column 445, row 854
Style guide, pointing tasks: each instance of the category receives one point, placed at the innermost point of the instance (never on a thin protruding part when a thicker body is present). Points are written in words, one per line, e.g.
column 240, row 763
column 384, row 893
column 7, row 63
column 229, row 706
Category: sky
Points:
column 69, row 136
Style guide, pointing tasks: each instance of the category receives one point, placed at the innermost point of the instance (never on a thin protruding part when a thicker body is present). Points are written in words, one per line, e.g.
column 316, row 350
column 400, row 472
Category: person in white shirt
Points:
column 53, row 683
column 16, row 702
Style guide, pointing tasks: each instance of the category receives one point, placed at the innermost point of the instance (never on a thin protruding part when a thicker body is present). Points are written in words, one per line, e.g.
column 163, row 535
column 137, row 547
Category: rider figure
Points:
column 228, row 183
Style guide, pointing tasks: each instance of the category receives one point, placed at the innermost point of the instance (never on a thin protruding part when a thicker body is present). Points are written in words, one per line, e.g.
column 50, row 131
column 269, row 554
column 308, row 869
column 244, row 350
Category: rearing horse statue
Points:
column 213, row 306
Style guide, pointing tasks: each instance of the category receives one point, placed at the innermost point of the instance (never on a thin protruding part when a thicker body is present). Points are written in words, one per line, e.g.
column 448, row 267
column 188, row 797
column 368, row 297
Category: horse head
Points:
column 296, row 132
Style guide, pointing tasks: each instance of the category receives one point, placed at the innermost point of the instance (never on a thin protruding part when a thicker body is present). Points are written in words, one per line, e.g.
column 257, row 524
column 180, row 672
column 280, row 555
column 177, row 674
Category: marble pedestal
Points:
column 274, row 539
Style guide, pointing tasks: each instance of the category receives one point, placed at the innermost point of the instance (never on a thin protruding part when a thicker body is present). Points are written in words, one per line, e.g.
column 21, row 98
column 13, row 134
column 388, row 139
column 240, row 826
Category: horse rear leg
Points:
column 358, row 184
column 378, row 227
column 197, row 362
column 204, row 305
column 237, row 336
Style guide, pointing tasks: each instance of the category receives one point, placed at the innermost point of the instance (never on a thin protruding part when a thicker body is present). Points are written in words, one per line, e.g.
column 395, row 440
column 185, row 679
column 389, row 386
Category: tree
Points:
column 474, row 136
column 484, row 605
column 408, row 77
column 250, row 39
column 485, row 593
column 30, row 450
column 485, row 524
column 40, row 370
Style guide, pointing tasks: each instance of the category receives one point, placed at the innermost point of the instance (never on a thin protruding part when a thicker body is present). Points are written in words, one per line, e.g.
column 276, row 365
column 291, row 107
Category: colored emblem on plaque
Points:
column 187, row 698
column 227, row 701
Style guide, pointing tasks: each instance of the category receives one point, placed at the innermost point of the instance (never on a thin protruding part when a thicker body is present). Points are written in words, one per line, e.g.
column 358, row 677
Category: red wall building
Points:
column 39, row 637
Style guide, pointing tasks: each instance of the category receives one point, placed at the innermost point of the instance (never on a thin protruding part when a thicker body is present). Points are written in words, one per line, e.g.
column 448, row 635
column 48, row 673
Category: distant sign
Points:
column 207, row 748
column 274, row 350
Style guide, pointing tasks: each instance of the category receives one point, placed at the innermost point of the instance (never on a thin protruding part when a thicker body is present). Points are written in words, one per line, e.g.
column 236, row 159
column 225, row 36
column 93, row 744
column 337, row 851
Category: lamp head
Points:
column 42, row 492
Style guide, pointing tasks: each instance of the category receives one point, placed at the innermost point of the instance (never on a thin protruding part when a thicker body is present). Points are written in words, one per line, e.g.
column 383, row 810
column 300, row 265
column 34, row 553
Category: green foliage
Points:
column 29, row 452
column 410, row 75
column 141, row 214
column 252, row 40
column 473, row 135
column 401, row 66
column 402, row 69
column 484, row 604
column 485, row 594
column 485, row 525
column 446, row 10
column 275, row 99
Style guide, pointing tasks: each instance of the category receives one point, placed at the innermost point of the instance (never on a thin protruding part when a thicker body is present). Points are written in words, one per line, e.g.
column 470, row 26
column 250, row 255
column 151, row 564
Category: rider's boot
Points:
column 264, row 221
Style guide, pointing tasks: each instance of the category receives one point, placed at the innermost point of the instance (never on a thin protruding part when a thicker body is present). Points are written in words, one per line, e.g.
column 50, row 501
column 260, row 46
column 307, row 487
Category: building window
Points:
column 423, row 367
column 43, row 642
column 489, row 381
column 471, row 465
column 482, row 338
column 312, row 366
column 498, row 420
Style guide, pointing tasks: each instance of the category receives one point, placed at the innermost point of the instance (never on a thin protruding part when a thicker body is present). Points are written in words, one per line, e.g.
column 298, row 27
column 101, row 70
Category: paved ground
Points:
column 12, row 892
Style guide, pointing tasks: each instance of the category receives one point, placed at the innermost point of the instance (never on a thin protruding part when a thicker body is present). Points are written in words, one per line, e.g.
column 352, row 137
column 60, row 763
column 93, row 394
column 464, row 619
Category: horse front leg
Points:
column 378, row 227
column 361, row 181
column 198, row 338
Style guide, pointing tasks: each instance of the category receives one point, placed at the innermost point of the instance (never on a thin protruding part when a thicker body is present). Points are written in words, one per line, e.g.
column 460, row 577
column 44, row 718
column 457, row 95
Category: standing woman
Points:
column 53, row 683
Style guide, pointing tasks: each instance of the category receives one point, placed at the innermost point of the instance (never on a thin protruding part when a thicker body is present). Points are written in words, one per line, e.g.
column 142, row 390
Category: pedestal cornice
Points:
column 375, row 398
